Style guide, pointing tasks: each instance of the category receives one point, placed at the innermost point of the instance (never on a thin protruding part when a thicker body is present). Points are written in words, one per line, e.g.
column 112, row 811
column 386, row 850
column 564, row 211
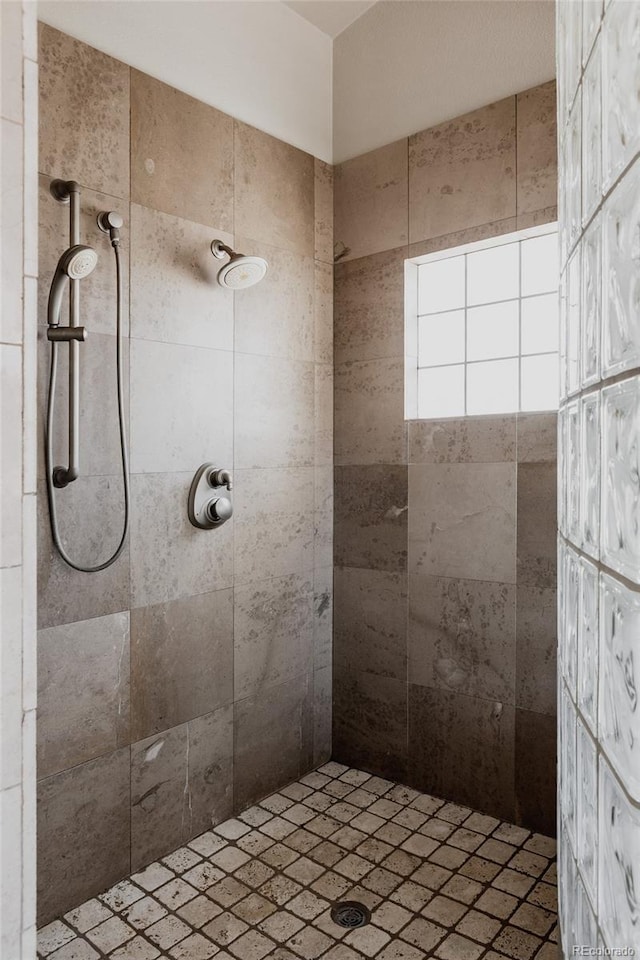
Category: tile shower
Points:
column 598, row 547
column 445, row 531
column 141, row 747
column 193, row 676
column 180, row 686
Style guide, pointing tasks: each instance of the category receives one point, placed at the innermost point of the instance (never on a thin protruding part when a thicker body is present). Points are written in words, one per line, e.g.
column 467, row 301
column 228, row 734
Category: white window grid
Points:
column 510, row 239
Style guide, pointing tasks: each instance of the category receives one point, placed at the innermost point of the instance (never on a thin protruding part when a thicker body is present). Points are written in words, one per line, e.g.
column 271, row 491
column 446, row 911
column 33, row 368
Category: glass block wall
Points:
column 599, row 490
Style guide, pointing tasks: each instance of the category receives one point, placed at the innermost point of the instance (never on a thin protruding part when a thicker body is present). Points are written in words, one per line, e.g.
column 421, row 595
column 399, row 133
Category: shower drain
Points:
column 350, row 914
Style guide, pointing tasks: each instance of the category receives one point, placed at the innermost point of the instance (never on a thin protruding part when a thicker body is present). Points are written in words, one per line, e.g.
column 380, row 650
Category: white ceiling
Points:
column 330, row 16
column 336, row 78
column 405, row 66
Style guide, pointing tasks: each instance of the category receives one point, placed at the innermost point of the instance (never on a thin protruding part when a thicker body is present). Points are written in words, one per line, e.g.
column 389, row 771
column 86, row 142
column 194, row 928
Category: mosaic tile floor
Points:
column 440, row 881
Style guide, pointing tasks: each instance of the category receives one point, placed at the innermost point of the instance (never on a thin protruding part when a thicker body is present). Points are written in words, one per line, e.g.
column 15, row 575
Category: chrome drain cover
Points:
column 350, row 914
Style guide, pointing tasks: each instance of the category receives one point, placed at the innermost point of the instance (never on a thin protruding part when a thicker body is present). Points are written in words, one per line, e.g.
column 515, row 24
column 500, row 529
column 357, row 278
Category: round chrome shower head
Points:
column 78, row 262
column 241, row 272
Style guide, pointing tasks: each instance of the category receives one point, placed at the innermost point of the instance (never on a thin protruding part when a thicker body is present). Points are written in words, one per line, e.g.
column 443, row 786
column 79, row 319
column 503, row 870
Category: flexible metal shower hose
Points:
column 123, row 438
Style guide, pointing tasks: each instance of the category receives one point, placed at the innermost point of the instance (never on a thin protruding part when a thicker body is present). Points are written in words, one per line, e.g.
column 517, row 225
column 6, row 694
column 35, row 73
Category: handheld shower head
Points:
column 241, row 272
column 76, row 263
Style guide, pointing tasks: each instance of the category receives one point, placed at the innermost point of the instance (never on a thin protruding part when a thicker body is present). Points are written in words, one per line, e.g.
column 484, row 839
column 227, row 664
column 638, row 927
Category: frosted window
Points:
column 540, row 382
column 492, row 387
column 441, row 285
column 487, row 327
column 540, row 264
column 493, row 274
column 492, row 331
column 441, row 391
column 540, row 324
column 441, row 339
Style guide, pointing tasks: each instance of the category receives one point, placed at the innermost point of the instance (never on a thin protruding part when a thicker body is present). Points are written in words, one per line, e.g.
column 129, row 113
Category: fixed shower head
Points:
column 76, row 263
column 241, row 272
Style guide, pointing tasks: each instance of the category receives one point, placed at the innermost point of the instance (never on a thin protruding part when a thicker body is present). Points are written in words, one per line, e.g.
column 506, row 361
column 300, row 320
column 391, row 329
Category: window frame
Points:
column 412, row 316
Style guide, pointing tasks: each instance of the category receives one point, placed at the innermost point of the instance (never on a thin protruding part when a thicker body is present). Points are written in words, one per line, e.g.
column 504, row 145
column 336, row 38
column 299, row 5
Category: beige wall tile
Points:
column 323, row 312
column 276, row 317
column 90, row 520
column 369, row 412
column 274, row 191
column 83, row 832
column 77, row 85
column 467, row 235
column 174, row 293
column 463, row 172
column 170, row 557
column 461, row 636
column 273, row 641
column 468, row 440
column 181, row 661
column 273, row 412
column 177, row 419
column 370, row 201
column 323, row 211
column 463, row 520
column 323, row 413
column 369, row 307
column 537, row 148
column 273, row 522
column 83, row 691
column 181, row 154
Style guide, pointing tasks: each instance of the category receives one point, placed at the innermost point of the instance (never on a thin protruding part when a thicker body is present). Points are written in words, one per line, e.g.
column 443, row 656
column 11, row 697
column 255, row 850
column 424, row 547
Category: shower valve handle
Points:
column 219, row 509
column 220, row 478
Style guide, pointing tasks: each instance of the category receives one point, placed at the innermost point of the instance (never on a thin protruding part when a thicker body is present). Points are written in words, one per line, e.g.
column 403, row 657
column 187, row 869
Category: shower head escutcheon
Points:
column 241, row 272
column 76, row 263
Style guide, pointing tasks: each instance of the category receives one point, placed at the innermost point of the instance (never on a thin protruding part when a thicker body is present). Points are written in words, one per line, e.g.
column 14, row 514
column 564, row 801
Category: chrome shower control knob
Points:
column 219, row 509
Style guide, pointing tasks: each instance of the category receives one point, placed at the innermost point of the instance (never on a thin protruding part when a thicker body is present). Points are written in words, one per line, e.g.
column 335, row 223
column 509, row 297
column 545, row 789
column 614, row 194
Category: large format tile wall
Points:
column 193, row 676
column 18, row 238
column 445, row 636
column 599, row 503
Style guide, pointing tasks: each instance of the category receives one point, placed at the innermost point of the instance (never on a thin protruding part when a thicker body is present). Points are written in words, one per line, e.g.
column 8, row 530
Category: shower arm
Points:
column 68, row 192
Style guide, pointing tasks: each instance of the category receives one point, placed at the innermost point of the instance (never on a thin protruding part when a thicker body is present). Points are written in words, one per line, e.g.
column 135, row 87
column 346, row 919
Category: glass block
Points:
column 540, row 264
column 562, row 486
column 588, row 644
column 574, row 281
column 587, row 807
column 591, row 16
column 540, row 324
column 567, row 888
column 492, row 331
column 573, row 170
column 493, row 274
column 590, row 473
column 620, row 680
column 441, row 338
column 620, row 519
column 618, row 863
column 591, row 303
column 586, row 928
column 621, row 82
column 441, row 392
column 563, row 300
column 492, row 387
column 441, row 285
column 569, row 639
column 568, row 767
column 621, row 276
column 591, row 138
column 539, row 382
column 572, row 471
